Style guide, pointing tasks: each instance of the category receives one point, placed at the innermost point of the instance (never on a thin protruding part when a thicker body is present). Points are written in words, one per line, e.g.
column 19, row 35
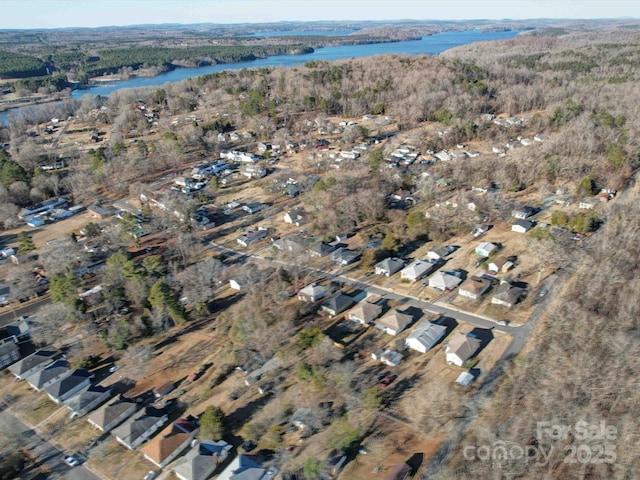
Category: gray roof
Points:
column 106, row 414
column 86, row 397
column 427, row 334
column 55, row 370
column 202, row 459
column 391, row 265
column 68, row 383
column 41, row 357
column 339, row 302
column 137, row 426
column 242, row 468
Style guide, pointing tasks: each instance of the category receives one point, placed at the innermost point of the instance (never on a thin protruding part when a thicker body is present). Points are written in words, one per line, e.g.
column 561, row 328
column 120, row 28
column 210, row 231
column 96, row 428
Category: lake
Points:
column 432, row 44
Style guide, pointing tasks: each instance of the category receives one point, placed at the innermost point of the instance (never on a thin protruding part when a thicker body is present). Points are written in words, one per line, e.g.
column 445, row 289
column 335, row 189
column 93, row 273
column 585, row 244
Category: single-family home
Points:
column 479, row 230
column 394, row 322
column 507, row 295
column 101, row 211
column 249, row 276
column 253, row 171
column 112, row 414
column 320, row 249
column 474, row 287
column 312, row 293
column 9, row 353
column 49, row 375
column 291, row 243
column 425, row 335
column 202, row 460
column 417, row 269
column 87, row 399
column 444, row 281
column 388, row 357
column 461, row 348
column 140, row 427
column 33, row 363
column 243, row 467
column 337, row 304
column 21, row 328
column 69, row 385
column 365, row 312
column 389, row 266
column 485, row 249
column 253, row 207
column 439, row 253
column 344, row 256
column 524, row 212
column 500, row 264
column 167, row 445
column 522, row 226
column 295, row 217
column 252, row 235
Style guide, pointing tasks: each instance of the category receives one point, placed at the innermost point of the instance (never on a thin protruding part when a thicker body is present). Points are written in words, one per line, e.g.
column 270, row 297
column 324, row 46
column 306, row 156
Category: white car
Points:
column 114, row 368
column 150, row 475
column 72, row 460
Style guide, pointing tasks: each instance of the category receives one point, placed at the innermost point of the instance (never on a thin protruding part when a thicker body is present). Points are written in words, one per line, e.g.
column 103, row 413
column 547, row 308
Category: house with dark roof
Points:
column 167, row 445
column 243, row 467
column 9, row 353
column 320, row 249
column 522, row 226
column 49, row 375
column 202, row 460
column 337, row 304
column 140, row 427
column 33, row 363
column 507, row 295
column 112, row 414
column 69, row 385
column 344, row 256
column 87, row 399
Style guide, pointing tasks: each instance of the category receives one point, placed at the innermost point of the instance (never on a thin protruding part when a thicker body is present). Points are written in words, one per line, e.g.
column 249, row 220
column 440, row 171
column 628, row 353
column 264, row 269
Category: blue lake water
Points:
column 432, row 44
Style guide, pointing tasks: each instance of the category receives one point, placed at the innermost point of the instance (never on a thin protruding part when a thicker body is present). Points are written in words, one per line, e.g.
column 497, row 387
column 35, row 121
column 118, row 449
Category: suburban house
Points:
column 9, row 353
column 474, row 287
column 320, row 249
column 112, row 414
column 444, row 281
column 479, row 230
column 69, row 385
column 344, row 256
column 292, row 243
column 50, row 375
column 295, row 217
column 425, row 335
column 249, row 276
column 417, row 269
column 394, row 322
column 507, row 295
column 33, row 363
column 202, row 460
column 522, row 226
column 365, row 312
column 252, row 235
column 167, row 445
column 87, row 399
column 140, row 427
column 20, row 329
column 252, row 207
column 243, row 467
column 484, row 249
column 524, row 212
column 312, row 293
column 388, row 357
column 500, row 264
column 389, row 266
column 461, row 348
column 439, row 253
column 337, row 304
column 101, row 211
column 253, row 171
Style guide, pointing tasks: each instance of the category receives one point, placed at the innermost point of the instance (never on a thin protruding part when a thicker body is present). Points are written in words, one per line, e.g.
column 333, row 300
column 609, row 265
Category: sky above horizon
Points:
column 93, row 13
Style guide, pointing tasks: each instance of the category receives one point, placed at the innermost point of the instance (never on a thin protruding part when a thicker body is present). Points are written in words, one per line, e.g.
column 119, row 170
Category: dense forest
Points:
column 576, row 89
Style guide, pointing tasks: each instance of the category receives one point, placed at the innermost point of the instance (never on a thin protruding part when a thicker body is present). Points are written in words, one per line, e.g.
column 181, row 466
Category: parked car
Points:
column 72, row 460
column 387, row 380
column 114, row 368
column 503, row 323
column 150, row 475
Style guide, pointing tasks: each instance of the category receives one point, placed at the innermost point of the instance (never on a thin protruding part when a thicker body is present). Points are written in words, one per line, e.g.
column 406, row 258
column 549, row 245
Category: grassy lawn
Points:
column 74, row 434
column 115, row 461
column 36, row 407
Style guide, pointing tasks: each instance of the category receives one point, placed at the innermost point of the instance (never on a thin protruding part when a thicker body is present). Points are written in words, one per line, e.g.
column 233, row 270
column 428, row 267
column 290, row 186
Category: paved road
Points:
column 47, row 453
column 10, row 314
